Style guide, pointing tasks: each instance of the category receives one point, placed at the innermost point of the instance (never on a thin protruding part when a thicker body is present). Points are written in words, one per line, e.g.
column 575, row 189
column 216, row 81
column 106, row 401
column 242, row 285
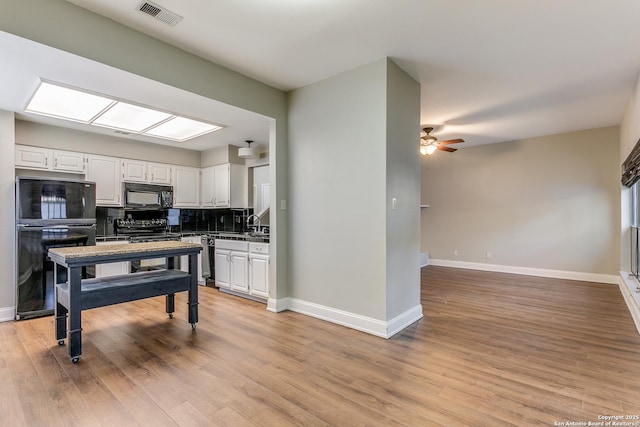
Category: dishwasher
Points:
column 208, row 257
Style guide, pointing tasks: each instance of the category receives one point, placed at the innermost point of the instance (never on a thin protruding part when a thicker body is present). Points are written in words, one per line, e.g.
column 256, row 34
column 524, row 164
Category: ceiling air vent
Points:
column 160, row 13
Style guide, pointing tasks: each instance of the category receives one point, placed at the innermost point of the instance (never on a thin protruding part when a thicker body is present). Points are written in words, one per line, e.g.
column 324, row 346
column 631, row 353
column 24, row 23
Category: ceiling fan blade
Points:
column 452, row 141
column 449, row 149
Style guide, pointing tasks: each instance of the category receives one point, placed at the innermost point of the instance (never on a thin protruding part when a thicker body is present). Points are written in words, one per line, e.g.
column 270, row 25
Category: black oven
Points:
column 145, row 230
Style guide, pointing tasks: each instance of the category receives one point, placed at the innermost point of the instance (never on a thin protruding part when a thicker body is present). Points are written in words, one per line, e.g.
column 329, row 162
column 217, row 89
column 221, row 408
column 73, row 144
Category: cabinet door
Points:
column 184, row 259
column 105, row 172
column 68, row 161
column 207, row 186
column 221, row 186
column 259, row 275
column 32, row 157
column 186, row 188
column 158, row 173
column 113, row 268
column 223, row 273
column 134, row 171
column 239, row 271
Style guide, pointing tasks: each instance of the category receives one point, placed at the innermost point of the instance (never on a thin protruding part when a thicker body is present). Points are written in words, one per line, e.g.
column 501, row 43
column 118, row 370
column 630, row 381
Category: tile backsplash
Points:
column 179, row 220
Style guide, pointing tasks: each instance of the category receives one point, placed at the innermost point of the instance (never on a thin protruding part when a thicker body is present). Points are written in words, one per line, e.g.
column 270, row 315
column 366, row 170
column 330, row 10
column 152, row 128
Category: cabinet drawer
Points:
column 259, row 248
column 234, row 245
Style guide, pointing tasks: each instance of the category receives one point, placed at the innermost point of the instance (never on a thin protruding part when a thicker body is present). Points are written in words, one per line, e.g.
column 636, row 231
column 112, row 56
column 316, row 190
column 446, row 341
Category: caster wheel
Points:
column 60, row 342
column 75, row 359
column 170, row 315
column 193, row 326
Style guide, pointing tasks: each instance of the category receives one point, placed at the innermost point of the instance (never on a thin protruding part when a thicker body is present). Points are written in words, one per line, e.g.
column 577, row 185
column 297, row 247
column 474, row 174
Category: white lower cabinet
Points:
column 221, row 265
column 239, row 266
column 242, row 267
column 184, row 260
column 113, row 268
column 259, row 269
column 232, row 265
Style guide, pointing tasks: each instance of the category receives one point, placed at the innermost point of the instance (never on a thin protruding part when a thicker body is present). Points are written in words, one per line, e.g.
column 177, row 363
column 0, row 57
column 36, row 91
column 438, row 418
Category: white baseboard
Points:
column 7, row 314
column 366, row 324
column 424, row 259
column 528, row 271
column 628, row 284
column 277, row 305
column 400, row 322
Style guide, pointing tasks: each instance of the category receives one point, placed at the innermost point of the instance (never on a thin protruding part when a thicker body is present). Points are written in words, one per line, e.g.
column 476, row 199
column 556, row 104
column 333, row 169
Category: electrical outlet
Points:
column 489, row 255
column 455, row 252
column 394, row 203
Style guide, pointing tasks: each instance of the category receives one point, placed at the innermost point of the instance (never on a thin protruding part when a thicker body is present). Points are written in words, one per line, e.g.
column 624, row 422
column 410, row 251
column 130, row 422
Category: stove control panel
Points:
column 141, row 224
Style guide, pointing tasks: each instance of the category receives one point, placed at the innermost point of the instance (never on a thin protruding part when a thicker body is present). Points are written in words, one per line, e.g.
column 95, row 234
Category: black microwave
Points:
column 147, row 196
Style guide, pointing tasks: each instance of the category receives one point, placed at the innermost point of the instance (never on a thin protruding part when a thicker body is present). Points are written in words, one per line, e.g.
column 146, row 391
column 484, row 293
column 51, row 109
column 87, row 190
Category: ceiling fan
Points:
column 429, row 143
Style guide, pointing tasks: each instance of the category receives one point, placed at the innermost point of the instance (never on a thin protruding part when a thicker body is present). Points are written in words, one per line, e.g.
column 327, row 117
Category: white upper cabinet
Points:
column 32, row 157
column 28, row 157
column 220, row 186
column 186, row 187
column 207, row 194
column 134, row 171
column 224, row 186
column 159, row 173
column 105, row 172
column 221, row 182
column 68, row 161
column 140, row 171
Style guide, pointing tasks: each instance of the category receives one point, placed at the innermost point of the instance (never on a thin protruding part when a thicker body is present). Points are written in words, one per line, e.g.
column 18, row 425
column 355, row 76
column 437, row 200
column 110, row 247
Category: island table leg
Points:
column 75, row 311
column 193, row 290
column 60, row 312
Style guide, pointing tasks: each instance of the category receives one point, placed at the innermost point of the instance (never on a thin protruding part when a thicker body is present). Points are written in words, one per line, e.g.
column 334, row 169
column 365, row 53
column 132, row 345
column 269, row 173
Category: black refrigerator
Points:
column 49, row 213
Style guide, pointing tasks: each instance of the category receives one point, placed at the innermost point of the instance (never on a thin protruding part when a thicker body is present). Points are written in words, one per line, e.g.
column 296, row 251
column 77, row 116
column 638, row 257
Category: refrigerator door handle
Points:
column 57, row 226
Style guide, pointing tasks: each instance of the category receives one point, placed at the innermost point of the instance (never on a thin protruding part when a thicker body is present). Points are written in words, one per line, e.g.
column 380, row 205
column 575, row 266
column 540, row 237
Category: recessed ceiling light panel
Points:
column 80, row 106
column 130, row 117
column 66, row 103
column 181, row 129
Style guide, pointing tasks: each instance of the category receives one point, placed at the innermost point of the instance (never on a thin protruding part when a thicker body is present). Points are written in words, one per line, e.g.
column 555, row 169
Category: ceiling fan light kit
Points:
column 429, row 143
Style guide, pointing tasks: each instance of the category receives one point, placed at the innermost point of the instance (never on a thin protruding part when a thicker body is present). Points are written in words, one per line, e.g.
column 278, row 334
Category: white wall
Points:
column 354, row 147
column 7, row 218
column 548, row 203
column 403, row 184
column 338, row 191
column 219, row 155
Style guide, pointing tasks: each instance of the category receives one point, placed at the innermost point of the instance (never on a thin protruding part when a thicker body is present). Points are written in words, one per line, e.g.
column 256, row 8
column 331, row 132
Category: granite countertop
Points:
column 69, row 252
column 250, row 237
column 228, row 235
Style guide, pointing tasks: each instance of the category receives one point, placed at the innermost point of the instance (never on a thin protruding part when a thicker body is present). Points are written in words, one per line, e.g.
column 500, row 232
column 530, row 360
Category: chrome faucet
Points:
column 255, row 218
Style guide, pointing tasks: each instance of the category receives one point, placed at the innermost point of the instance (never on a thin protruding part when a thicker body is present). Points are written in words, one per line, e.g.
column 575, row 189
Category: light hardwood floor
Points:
column 493, row 349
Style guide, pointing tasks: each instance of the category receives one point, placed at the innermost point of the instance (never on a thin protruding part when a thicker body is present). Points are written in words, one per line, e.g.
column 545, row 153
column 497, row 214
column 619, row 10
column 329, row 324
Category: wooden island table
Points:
column 77, row 294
